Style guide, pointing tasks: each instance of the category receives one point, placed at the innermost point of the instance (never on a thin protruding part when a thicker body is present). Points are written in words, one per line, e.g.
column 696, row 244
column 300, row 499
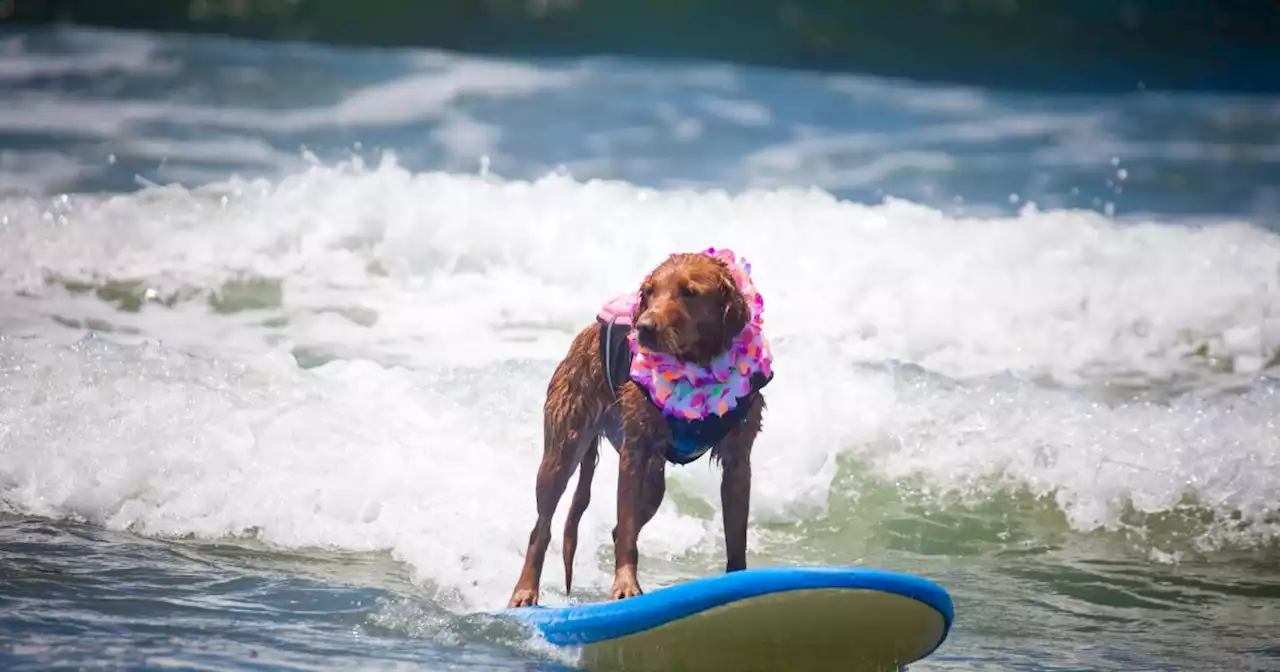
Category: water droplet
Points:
column 111, row 159
column 1013, row 198
column 1122, row 174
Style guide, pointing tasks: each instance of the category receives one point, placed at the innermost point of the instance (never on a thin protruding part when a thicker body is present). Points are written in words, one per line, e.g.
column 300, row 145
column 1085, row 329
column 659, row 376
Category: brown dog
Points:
column 690, row 310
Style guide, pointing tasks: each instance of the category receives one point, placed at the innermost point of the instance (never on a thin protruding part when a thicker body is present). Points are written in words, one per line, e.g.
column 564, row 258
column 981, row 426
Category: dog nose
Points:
column 646, row 328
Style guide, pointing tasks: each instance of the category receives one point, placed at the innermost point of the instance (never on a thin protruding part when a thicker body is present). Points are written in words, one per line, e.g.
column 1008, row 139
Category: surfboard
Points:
column 770, row 618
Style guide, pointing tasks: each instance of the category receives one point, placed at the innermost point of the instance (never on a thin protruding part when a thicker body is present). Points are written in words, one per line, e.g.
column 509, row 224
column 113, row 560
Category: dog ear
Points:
column 736, row 313
column 642, row 301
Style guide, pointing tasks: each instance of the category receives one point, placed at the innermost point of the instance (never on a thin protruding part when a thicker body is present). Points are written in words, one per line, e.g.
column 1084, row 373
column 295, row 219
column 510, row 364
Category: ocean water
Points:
column 276, row 322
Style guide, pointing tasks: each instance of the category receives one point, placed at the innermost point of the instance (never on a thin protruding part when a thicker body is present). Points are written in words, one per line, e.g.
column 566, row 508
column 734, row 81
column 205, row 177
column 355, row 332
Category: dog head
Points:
column 690, row 307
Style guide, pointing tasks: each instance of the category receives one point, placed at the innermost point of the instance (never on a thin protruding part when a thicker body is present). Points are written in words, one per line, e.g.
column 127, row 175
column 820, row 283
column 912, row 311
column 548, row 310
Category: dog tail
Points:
column 581, row 498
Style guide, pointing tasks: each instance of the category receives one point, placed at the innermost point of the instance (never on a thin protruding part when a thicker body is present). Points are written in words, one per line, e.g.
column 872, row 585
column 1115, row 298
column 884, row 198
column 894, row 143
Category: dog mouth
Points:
column 652, row 339
column 658, row 340
column 648, row 339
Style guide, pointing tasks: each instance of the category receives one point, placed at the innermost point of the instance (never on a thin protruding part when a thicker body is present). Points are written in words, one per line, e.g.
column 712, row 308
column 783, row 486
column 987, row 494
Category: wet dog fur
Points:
column 689, row 307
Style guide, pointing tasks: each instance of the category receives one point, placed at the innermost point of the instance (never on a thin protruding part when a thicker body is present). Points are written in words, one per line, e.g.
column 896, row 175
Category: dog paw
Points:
column 624, row 587
column 523, row 597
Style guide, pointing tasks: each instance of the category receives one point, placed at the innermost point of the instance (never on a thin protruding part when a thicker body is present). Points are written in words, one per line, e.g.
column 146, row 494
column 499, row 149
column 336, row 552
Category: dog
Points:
column 665, row 374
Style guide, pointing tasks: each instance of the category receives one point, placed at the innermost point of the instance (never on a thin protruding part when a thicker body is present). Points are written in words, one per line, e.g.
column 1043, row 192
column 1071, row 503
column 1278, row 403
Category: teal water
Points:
column 276, row 321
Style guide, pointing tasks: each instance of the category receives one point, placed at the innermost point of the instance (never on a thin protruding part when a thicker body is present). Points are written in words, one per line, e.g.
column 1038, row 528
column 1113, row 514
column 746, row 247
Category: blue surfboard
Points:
column 773, row 618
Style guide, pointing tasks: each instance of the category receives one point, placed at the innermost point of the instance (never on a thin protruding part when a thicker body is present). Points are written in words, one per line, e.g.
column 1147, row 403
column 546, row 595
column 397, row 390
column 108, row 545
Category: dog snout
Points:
column 647, row 330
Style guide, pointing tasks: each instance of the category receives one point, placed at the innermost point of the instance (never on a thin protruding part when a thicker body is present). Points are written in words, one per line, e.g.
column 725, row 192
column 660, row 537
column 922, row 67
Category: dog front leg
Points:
column 735, row 499
column 734, row 453
column 631, row 473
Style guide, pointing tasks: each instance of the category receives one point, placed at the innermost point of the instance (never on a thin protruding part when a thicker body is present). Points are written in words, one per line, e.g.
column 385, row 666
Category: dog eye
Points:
column 687, row 291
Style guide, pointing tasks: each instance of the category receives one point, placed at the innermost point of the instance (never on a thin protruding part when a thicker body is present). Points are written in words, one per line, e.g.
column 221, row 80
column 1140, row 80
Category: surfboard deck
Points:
column 772, row 618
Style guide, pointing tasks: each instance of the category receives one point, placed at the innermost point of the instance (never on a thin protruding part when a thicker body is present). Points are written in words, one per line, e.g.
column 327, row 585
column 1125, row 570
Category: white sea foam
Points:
column 1062, row 293
column 474, row 285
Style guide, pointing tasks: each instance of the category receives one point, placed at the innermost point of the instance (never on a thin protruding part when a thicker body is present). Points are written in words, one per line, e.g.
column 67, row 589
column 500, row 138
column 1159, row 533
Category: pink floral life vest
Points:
column 700, row 404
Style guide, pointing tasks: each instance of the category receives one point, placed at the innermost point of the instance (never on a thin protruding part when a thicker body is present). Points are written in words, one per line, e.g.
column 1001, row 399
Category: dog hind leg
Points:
column 567, row 438
column 581, row 499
